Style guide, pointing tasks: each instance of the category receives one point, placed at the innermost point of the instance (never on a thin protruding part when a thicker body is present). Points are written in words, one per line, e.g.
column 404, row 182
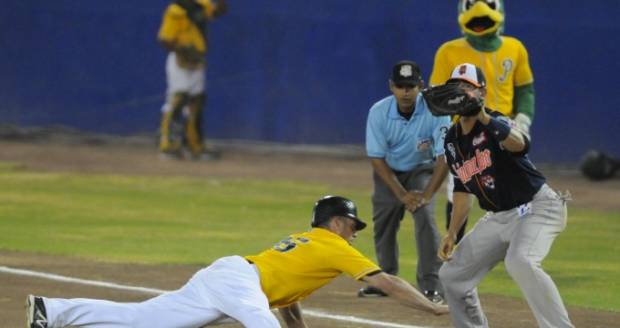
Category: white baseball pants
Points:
column 228, row 287
column 179, row 79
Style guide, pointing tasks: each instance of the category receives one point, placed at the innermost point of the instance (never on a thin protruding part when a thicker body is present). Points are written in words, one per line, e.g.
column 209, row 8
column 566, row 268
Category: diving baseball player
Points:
column 488, row 157
column 245, row 288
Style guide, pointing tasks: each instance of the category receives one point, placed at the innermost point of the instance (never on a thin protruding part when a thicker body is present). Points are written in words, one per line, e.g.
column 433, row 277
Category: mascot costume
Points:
column 503, row 60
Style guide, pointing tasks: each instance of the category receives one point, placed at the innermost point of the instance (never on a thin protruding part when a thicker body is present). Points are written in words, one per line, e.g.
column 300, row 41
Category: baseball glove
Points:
column 452, row 99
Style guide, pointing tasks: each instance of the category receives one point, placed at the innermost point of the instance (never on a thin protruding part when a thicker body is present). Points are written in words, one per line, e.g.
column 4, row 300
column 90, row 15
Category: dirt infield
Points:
column 338, row 298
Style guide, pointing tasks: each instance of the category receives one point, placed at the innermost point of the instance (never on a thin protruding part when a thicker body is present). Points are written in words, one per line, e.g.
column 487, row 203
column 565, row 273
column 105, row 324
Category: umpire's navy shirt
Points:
column 404, row 144
column 501, row 180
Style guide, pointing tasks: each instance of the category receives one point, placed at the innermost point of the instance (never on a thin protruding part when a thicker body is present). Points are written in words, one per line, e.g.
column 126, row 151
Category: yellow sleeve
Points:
column 441, row 71
column 209, row 7
column 172, row 23
column 353, row 263
column 523, row 72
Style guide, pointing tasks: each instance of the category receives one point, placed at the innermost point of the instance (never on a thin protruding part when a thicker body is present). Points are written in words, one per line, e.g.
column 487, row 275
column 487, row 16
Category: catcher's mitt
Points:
column 452, row 99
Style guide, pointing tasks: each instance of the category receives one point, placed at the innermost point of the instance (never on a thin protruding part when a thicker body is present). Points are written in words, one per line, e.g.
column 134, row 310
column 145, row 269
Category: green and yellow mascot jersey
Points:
column 503, row 59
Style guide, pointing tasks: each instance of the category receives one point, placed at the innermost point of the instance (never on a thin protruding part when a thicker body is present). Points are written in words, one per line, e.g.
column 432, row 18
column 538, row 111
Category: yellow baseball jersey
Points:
column 504, row 69
column 297, row 266
column 176, row 26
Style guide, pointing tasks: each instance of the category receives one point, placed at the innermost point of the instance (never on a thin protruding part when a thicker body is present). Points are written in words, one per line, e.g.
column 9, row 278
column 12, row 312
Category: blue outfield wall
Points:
column 296, row 71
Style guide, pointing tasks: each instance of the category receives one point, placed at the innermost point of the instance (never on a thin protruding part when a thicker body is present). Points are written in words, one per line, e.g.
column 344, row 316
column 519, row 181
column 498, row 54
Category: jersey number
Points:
column 289, row 243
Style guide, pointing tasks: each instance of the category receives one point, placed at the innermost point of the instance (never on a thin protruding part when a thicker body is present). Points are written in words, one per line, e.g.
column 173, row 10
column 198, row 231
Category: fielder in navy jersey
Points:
column 501, row 179
column 487, row 155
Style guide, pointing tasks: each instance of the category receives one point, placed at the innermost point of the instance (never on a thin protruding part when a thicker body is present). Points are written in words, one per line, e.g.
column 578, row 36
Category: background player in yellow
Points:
column 246, row 288
column 503, row 60
column 183, row 33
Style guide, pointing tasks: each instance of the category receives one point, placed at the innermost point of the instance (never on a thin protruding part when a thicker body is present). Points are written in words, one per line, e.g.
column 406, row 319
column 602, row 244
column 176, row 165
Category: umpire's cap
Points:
column 406, row 72
column 469, row 73
column 329, row 206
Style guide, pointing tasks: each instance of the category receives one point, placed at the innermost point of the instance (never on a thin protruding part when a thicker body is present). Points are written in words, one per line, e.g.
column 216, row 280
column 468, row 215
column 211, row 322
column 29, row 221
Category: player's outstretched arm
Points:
column 292, row 316
column 405, row 293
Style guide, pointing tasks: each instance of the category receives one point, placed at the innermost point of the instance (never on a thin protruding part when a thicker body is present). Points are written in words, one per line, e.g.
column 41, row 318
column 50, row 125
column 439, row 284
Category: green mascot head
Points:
column 481, row 18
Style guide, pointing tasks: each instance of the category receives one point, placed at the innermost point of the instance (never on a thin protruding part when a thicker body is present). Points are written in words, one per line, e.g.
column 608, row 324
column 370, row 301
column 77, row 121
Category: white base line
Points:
column 308, row 312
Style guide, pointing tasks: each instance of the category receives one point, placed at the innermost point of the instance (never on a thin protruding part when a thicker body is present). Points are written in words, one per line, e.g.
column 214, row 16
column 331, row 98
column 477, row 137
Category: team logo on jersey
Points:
column 507, row 65
column 475, row 165
column 488, row 181
column 451, row 150
column 481, row 138
column 424, row 144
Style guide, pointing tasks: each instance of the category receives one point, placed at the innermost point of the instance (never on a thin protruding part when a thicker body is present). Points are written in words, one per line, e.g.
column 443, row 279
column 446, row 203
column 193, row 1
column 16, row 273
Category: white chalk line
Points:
column 308, row 312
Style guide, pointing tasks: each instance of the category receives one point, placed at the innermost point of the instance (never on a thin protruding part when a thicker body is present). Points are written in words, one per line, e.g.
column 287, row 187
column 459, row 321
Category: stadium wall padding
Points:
column 296, row 71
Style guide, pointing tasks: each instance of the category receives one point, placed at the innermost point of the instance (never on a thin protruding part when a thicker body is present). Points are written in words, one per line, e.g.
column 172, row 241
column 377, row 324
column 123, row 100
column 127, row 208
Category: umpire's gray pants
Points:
column 388, row 211
column 522, row 237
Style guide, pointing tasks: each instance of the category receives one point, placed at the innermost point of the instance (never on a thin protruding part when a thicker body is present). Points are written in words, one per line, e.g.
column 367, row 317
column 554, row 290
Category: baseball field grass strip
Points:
column 196, row 220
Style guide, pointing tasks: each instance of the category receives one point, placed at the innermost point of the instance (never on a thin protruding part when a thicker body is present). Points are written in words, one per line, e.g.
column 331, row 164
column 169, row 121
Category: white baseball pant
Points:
column 179, row 79
column 228, row 287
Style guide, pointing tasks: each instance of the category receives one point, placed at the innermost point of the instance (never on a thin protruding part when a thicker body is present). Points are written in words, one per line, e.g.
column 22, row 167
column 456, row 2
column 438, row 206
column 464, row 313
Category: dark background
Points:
column 297, row 71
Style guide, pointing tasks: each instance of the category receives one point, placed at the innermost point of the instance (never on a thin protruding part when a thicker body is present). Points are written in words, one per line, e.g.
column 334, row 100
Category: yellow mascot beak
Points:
column 480, row 19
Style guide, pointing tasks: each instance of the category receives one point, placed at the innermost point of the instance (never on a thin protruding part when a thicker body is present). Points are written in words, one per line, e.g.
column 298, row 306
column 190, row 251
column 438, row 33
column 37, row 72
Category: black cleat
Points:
column 36, row 317
column 433, row 296
column 370, row 291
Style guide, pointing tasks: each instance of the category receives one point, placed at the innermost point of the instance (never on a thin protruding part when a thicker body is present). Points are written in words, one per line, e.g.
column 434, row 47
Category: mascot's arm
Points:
column 523, row 106
column 523, row 97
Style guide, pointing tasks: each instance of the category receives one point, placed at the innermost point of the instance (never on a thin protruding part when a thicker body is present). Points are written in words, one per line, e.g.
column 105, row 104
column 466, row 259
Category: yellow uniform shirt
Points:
column 176, row 26
column 304, row 262
column 504, row 69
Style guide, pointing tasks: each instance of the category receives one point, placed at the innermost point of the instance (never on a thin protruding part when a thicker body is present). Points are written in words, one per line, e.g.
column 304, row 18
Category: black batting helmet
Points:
column 329, row 206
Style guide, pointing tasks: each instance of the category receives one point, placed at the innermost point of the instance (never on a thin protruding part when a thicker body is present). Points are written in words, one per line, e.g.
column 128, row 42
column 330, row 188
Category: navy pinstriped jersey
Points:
column 500, row 179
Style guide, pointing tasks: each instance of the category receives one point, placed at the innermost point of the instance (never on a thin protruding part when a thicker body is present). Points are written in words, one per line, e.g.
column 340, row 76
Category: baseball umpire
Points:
column 487, row 155
column 245, row 288
column 404, row 143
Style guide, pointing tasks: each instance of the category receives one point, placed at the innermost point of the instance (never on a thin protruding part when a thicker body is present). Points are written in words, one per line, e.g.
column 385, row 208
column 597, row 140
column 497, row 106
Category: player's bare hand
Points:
column 421, row 199
column 409, row 200
column 446, row 248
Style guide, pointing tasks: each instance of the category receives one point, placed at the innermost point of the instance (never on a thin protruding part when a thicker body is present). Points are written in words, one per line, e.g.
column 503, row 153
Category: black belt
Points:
column 400, row 172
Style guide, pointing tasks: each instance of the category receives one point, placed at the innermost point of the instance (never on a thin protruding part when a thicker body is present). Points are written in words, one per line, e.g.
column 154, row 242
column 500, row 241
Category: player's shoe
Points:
column 170, row 155
column 206, row 156
column 370, row 291
column 36, row 316
column 433, row 296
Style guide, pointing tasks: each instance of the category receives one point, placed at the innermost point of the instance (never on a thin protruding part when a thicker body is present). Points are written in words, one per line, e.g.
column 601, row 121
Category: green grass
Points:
column 196, row 220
